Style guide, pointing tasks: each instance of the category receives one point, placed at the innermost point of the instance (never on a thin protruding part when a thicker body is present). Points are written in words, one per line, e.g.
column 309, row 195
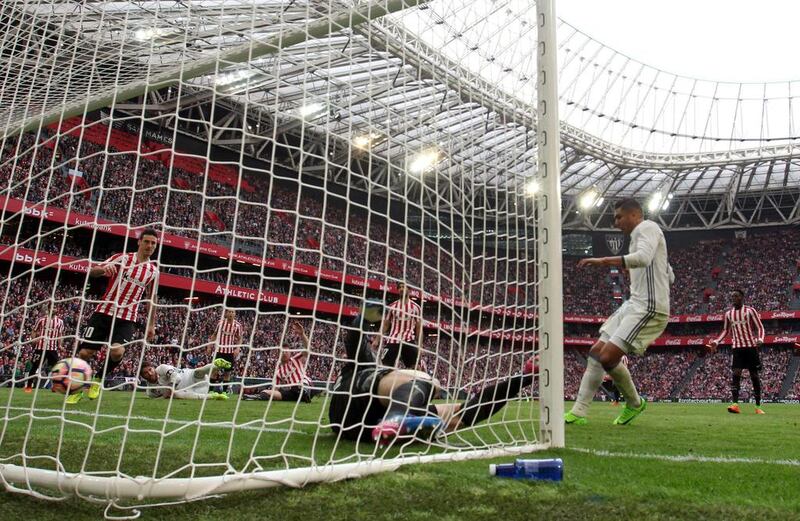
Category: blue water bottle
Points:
column 540, row 469
column 503, row 470
column 547, row 469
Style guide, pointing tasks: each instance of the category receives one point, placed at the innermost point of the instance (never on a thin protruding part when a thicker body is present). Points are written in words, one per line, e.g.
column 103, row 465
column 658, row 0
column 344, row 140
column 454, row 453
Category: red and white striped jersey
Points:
column 229, row 336
column 403, row 320
column 623, row 361
column 47, row 331
column 744, row 326
column 292, row 373
column 126, row 285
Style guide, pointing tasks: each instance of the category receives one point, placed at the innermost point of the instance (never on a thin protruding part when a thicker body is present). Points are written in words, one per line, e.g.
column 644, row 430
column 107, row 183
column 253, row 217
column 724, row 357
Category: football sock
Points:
column 411, row 397
column 109, row 366
column 592, row 378
column 756, row 379
column 622, row 379
column 493, row 398
column 735, row 385
column 204, row 371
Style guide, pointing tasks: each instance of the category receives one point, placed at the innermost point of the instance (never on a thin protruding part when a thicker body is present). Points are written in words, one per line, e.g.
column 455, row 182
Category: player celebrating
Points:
column 182, row 384
column 48, row 333
column 228, row 341
column 113, row 322
column 369, row 402
column 291, row 381
column 637, row 322
column 744, row 325
column 402, row 329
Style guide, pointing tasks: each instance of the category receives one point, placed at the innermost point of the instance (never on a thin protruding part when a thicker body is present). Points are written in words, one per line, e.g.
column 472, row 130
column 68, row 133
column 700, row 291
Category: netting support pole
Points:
column 548, row 206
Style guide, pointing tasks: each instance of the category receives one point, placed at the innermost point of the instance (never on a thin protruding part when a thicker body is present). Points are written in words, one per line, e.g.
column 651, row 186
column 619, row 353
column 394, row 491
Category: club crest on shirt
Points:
column 614, row 243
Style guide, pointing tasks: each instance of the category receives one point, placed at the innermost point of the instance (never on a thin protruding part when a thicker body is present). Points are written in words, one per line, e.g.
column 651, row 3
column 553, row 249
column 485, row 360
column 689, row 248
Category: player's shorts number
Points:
column 87, row 333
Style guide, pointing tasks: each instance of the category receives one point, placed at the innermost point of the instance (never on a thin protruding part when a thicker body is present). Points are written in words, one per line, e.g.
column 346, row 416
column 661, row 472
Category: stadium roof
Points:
column 453, row 77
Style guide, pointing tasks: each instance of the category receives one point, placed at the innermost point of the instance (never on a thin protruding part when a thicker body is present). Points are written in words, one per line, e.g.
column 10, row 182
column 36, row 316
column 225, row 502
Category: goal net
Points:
column 299, row 162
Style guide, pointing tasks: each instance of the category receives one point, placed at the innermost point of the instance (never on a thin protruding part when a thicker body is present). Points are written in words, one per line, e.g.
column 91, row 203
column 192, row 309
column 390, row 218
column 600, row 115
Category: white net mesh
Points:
column 298, row 160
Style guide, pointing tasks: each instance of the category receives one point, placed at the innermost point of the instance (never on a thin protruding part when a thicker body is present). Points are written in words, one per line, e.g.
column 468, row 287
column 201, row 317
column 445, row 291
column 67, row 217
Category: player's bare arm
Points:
column 601, row 261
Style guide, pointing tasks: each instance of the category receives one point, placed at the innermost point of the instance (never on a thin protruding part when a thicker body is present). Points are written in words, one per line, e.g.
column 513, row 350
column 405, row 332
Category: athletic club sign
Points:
column 614, row 243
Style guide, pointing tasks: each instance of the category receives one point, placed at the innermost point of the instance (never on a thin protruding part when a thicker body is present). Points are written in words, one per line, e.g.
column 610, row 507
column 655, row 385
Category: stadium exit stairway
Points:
column 687, row 377
column 713, row 283
column 788, row 380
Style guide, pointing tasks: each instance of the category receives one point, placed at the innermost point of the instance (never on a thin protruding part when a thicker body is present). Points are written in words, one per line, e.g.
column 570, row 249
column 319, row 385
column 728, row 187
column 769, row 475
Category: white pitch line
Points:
column 227, row 425
column 688, row 458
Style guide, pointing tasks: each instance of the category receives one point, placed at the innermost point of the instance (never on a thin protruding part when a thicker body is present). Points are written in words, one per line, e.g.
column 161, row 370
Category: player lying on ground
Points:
column 373, row 402
column 184, row 384
column 291, row 383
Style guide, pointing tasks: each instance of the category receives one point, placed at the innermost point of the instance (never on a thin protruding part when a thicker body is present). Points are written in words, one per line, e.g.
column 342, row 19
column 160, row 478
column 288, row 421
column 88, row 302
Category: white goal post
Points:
column 299, row 161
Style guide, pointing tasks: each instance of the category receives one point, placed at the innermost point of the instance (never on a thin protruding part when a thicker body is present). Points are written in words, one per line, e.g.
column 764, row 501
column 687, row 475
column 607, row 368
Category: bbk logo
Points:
column 28, row 259
column 30, row 210
column 614, row 243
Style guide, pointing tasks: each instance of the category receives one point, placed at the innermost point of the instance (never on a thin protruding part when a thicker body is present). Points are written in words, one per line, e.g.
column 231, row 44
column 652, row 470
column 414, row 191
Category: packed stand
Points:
column 764, row 266
column 694, row 268
column 713, row 378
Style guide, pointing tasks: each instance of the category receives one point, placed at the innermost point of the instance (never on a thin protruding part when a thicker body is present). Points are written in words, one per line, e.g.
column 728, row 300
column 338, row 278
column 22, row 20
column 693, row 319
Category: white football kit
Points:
column 643, row 317
column 191, row 384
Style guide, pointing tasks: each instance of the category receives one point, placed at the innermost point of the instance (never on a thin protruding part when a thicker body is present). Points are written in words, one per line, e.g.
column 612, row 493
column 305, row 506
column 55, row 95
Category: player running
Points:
column 372, row 402
column 291, row 381
column 48, row 333
column 744, row 326
column 113, row 322
column 183, row 384
column 637, row 322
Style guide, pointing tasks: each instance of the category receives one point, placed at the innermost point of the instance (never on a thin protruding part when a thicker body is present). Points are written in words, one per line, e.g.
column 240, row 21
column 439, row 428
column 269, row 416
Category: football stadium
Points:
column 389, row 259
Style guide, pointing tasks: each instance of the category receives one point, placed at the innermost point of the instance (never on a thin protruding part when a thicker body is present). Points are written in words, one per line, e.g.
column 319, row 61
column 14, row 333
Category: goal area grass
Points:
column 677, row 461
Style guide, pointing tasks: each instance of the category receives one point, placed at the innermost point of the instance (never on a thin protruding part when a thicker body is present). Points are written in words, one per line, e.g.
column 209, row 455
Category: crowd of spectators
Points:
column 794, row 392
column 695, row 272
column 290, row 220
column 764, row 266
column 587, row 291
column 713, row 378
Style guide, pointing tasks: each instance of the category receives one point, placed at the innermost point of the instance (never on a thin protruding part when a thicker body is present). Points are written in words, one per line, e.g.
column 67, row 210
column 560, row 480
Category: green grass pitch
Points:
column 677, row 461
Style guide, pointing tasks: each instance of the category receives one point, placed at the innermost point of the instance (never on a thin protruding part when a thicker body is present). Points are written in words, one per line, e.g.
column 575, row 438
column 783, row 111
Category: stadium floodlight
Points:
column 145, row 34
column 229, row 78
column 364, row 141
column 311, row 110
column 588, row 198
column 656, row 201
column 423, row 161
column 532, row 187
